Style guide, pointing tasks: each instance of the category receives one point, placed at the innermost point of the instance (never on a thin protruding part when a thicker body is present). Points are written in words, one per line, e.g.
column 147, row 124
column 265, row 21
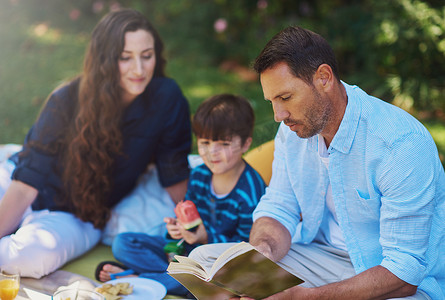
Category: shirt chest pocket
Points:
column 362, row 207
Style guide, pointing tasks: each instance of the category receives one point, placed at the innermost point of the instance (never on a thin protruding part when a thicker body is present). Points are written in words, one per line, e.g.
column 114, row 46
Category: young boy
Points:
column 225, row 190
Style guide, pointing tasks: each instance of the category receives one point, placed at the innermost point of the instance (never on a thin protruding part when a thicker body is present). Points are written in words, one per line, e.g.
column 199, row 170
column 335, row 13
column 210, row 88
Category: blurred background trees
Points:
column 393, row 49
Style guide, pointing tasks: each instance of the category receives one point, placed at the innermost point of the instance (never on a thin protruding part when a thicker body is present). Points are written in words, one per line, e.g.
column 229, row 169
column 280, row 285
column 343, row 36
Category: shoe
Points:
column 100, row 266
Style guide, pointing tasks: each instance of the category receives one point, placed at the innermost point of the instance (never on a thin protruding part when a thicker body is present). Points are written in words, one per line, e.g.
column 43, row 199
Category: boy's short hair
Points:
column 223, row 116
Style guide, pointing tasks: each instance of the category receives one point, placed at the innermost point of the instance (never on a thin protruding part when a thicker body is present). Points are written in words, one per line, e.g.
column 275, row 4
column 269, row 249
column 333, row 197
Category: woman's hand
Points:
column 173, row 228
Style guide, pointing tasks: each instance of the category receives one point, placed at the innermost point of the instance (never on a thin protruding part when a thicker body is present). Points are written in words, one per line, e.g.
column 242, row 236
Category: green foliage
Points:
column 394, row 49
column 410, row 52
column 34, row 59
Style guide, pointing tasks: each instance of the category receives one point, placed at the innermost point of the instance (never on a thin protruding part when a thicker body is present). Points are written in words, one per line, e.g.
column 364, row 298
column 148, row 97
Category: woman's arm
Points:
column 18, row 197
column 177, row 191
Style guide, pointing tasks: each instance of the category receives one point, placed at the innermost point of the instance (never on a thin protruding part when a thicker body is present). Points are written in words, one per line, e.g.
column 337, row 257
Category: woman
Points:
column 93, row 139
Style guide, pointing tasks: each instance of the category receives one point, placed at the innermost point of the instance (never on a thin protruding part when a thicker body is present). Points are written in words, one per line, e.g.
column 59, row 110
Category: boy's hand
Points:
column 173, row 228
column 198, row 236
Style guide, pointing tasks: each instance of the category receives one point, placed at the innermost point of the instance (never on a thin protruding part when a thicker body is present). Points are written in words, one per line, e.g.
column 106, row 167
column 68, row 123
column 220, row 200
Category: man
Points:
column 355, row 205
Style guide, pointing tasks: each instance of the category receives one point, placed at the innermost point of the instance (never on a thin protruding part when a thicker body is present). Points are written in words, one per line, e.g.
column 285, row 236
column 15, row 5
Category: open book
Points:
column 239, row 271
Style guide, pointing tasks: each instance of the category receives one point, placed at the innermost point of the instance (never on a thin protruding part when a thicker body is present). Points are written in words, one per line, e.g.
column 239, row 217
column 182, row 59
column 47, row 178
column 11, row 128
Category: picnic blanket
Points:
column 83, row 268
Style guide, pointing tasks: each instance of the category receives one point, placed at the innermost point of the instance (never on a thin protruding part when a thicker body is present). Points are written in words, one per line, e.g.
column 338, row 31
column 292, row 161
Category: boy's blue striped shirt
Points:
column 232, row 217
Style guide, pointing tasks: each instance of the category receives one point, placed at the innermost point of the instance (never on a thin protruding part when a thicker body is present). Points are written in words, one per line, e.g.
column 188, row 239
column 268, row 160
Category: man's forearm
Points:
column 375, row 283
column 270, row 237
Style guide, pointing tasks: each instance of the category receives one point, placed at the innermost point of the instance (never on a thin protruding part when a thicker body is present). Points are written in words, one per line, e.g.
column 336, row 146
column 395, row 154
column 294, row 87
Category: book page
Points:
column 228, row 255
column 186, row 264
column 254, row 275
column 240, row 270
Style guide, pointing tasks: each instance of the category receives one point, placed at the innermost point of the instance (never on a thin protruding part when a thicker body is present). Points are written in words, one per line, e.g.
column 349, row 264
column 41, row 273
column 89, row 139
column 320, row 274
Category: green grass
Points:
column 199, row 81
column 34, row 59
column 32, row 63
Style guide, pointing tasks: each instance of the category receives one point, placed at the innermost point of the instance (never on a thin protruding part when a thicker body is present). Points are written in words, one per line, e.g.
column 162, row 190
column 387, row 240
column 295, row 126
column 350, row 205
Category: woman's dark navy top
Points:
column 155, row 129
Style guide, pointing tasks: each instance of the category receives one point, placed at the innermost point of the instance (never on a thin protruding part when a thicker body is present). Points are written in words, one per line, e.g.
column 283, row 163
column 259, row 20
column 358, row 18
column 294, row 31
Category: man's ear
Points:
column 246, row 145
column 324, row 77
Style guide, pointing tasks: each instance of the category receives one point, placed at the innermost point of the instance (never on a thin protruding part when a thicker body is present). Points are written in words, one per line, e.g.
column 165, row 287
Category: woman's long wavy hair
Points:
column 94, row 138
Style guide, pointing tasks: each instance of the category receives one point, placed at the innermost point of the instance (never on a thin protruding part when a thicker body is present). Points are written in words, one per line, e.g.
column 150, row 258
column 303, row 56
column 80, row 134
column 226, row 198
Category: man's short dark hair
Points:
column 223, row 116
column 301, row 49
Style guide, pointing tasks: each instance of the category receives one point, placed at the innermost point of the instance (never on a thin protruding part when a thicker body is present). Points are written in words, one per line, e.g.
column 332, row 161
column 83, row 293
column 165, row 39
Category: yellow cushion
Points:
column 261, row 158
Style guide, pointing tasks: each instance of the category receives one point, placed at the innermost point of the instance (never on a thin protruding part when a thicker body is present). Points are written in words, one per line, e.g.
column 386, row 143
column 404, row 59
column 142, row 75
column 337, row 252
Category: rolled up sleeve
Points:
column 36, row 163
column 175, row 144
column 408, row 202
column 279, row 200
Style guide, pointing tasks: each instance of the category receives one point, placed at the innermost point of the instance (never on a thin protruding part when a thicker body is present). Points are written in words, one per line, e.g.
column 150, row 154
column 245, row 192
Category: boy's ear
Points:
column 247, row 144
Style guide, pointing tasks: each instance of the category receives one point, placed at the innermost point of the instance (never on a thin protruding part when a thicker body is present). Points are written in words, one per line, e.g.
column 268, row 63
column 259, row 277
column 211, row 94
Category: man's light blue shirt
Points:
column 388, row 187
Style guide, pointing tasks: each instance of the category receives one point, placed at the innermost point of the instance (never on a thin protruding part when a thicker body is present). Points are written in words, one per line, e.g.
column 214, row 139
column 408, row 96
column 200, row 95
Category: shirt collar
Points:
column 345, row 135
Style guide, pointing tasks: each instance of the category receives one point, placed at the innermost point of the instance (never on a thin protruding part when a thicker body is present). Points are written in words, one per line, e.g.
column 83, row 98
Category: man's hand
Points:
column 270, row 238
column 274, row 241
column 265, row 249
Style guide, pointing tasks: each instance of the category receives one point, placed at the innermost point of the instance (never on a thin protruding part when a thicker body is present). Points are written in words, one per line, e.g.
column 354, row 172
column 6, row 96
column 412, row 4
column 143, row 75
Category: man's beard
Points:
column 317, row 117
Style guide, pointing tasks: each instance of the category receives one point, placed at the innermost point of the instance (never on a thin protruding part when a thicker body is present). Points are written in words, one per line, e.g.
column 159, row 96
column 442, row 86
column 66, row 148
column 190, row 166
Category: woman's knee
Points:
column 30, row 258
column 45, row 242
